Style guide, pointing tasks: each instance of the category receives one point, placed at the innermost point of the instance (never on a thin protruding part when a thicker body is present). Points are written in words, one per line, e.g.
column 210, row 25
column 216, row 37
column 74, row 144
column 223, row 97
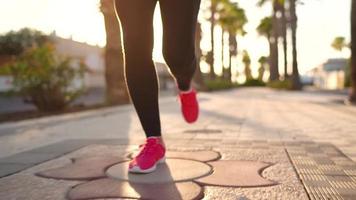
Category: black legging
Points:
column 179, row 19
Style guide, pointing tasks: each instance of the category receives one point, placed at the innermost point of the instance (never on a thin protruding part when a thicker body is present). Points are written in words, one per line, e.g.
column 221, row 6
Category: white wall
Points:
column 5, row 83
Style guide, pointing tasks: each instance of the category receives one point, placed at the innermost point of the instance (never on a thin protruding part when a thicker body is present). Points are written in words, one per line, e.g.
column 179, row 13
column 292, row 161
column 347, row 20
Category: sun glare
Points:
column 82, row 21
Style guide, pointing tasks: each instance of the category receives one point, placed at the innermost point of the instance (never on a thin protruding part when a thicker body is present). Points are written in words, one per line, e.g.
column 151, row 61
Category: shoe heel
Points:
column 162, row 160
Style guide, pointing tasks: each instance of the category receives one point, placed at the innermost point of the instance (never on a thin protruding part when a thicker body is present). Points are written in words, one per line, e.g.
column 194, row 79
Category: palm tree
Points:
column 214, row 6
column 263, row 61
column 198, row 77
column 339, row 43
column 265, row 29
column 247, row 61
column 284, row 36
column 232, row 19
column 274, row 71
column 116, row 92
column 352, row 96
column 210, row 56
column 232, row 52
column 222, row 47
column 296, row 84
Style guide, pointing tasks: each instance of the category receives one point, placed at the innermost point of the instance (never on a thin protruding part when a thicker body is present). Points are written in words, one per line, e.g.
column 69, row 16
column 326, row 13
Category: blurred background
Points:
column 66, row 56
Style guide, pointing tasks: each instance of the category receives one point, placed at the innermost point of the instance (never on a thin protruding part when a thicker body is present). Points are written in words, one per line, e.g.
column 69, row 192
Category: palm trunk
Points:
column 198, row 77
column 232, row 52
column 228, row 70
column 352, row 97
column 274, row 72
column 261, row 72
column 270, row 62
column 248, row 72
column 212, row 26
column 116, row 91
column 284, row 35
column 222, row 50
column 296, row 84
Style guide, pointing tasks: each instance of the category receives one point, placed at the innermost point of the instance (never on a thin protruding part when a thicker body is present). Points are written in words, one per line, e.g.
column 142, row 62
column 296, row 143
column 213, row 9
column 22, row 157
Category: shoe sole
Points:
column 137, row 170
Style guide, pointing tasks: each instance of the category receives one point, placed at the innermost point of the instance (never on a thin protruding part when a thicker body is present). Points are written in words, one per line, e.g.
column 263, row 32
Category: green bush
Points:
column 219, row 84
column 278, row 84
column 16, row 42
column 254, row 82
column 4, row 71
column 44, row 79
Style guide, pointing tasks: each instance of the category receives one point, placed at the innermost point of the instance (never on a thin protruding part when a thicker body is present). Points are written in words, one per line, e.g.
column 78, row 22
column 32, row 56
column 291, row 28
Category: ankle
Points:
column 186, row 91
column 184, row 85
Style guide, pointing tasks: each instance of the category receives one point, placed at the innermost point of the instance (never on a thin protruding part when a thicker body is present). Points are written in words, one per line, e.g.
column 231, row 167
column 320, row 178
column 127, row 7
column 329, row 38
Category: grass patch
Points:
column 280, row 85
column 254, row 83
column 220, row 84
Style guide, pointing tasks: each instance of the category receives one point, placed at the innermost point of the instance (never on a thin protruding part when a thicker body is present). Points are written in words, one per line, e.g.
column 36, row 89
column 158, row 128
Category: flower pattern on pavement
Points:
column 224, row 173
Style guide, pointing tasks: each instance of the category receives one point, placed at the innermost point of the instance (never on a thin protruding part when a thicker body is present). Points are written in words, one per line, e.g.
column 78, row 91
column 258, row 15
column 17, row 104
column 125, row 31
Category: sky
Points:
column 320, row 21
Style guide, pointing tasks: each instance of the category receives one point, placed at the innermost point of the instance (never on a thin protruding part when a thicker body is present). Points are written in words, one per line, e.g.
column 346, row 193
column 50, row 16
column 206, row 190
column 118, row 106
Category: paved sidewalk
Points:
column 308, row 138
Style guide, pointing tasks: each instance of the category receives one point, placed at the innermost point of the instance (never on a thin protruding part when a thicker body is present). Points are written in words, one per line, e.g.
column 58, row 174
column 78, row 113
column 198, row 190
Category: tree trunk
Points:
column 212, row 26
column 261, row 72
column 284, row 35
column 270, row 62
column 274, row 71
column 228, row 70
column 116, row 90
column 248, row 73
column 352, row 97
column 222, row 48
column 198, row 79
column 232, row 52
column 296, row 84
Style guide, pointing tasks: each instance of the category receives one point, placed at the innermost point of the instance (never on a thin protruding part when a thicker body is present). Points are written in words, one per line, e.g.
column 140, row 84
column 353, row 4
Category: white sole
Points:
column 138, row 170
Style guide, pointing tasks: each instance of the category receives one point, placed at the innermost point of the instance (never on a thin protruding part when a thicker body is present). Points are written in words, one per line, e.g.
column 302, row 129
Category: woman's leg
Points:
column 179, row 25
column 136, row 18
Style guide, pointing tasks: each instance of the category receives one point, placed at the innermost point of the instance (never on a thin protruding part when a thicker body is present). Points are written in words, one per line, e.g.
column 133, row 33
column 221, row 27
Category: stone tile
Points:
column 48, row 152
column 330, row 187
column 63, row 146
column 323, row 161
column 313, row 150
column 275, row 143
column 173, row 170
column 261, row 114
column 110, row 188
column 28, row 157
column 343, row 161
column 205, row 131
column 10, row 168
column 239, row 174
column 82, row 168
column 329, row 175
column 203, row 156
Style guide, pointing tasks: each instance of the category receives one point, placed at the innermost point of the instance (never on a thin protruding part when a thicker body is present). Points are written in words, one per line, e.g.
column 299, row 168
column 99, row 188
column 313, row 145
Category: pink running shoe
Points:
column 151, row 154
column 189, row 105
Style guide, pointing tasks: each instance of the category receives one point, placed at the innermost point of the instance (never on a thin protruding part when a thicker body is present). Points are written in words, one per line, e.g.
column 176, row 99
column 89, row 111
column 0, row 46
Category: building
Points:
column 5, row 80
column 93, row 57
column 331, row 74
